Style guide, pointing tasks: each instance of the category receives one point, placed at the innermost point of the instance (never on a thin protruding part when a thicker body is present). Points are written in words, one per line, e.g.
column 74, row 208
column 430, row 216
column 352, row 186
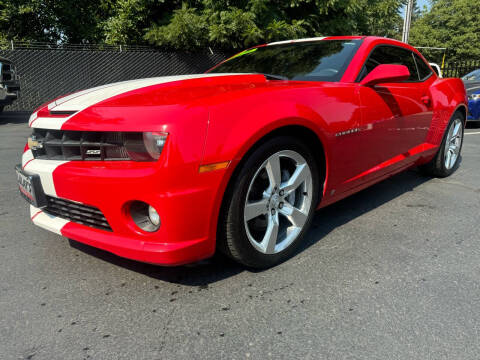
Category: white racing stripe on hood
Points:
column 86, row 98
column 83, row 99
column 49, row 123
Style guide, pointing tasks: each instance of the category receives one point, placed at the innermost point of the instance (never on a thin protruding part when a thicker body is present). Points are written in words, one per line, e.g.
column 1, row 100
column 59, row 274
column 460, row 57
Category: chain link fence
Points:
column 47, row 70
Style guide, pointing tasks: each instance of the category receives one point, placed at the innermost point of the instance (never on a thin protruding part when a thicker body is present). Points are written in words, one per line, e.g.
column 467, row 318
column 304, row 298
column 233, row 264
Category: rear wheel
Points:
column 448, row 156
column 271, row 203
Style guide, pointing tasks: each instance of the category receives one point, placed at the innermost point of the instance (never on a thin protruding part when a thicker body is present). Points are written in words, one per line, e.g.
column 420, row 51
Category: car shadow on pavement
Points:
column 354, row 206
column 197, row 274
column 325, row 220
column 14, row 117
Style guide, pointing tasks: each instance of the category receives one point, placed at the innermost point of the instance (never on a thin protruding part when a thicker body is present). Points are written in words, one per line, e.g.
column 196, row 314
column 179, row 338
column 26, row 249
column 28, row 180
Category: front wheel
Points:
column 271, row 203
column 447, row 158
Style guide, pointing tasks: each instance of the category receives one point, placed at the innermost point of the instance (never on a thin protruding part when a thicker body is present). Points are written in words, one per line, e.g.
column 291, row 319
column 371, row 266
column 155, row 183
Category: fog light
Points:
column 153, row 215
column 145, row 216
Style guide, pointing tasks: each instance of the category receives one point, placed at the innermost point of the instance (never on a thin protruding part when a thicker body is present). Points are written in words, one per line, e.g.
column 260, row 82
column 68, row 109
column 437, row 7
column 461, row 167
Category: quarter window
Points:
column 423, row 69
column 390, row 55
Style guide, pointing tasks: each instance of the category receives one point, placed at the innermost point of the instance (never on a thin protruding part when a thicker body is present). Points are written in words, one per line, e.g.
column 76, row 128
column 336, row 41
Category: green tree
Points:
column 193, row 24
column 53, row 20
column 187, row 30
column 454, row 24
column 81, row 21
column 129, row 18
column 219, row 24
column 382, row 18
column 232, row 25
column 27, row 20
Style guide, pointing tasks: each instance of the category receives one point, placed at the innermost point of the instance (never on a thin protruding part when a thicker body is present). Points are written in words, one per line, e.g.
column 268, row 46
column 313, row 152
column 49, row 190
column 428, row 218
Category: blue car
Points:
column 472, row 85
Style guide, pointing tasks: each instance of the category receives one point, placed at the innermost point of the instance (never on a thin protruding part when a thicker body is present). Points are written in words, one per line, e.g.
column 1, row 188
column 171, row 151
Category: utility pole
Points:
column 407, row 21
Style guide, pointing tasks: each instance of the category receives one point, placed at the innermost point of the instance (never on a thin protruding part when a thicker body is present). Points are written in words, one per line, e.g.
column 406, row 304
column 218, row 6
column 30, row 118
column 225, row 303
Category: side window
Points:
column 390, row 55
column 423, row 70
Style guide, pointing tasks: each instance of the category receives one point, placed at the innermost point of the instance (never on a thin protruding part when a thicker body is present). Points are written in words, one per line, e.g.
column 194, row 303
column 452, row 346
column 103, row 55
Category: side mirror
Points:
column 386, row 73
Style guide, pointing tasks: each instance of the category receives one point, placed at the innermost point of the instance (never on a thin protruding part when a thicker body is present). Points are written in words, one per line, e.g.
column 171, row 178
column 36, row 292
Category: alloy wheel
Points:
column 453, row 143
column 278, row 202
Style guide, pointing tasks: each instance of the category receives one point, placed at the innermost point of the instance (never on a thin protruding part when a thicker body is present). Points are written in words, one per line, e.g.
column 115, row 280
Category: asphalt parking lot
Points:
column 390, row 273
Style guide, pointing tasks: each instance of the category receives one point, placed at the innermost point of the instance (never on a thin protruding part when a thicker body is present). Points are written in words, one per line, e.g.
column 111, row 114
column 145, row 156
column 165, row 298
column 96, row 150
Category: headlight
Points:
column 474, row 96
column 154, row 143
column 146, row 147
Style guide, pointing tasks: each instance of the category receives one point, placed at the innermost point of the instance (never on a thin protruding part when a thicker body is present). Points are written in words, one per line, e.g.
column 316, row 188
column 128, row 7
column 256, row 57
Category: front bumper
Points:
column 188, row 209
column 166, row 253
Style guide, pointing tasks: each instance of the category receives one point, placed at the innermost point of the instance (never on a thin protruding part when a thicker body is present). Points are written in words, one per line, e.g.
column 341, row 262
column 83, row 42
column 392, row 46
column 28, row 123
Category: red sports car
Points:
column 168, row 170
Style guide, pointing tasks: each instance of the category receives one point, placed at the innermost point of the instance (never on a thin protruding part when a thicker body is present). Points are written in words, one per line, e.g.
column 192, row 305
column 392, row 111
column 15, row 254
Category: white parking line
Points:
column 472, row 133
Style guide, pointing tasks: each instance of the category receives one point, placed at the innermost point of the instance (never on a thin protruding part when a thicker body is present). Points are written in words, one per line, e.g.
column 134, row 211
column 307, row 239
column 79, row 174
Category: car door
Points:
column 395, row 116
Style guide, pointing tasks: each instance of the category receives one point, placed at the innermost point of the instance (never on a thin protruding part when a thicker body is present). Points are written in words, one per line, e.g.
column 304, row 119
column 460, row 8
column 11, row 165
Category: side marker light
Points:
column 213, row 167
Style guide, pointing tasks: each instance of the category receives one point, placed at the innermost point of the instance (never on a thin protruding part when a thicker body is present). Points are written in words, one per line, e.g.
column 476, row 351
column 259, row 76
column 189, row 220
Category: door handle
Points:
column 426, row 100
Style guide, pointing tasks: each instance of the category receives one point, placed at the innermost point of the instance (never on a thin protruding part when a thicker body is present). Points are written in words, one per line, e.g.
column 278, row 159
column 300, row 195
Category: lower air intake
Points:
column 78, row 213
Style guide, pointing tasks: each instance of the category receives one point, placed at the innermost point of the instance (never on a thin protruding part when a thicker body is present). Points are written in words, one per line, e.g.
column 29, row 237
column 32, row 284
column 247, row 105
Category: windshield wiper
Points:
column 274, row 77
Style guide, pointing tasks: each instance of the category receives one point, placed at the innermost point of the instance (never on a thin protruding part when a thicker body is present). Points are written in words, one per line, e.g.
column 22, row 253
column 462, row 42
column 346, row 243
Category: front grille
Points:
column 83, row 145
column 78, row 213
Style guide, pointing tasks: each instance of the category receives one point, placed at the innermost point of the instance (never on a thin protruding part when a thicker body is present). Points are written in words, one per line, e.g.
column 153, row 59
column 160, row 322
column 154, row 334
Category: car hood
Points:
column 152, row 98
column 99, row 95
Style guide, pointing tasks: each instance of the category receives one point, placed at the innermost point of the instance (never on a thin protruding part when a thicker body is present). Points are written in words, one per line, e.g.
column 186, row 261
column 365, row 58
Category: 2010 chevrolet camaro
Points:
column 167, row 170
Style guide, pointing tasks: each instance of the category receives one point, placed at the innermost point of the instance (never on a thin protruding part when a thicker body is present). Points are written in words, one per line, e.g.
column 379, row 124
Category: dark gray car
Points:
column 9, row 83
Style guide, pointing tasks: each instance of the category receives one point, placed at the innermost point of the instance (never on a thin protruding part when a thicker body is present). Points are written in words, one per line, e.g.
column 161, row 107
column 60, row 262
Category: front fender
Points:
column 230, row 137
column 237, row 123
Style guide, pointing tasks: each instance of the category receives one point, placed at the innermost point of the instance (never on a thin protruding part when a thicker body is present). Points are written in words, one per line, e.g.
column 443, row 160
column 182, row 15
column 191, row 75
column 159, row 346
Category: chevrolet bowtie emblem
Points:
column 34, row 144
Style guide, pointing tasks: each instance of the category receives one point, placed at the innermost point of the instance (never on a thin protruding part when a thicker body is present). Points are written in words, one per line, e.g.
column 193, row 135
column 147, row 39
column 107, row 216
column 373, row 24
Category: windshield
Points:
column 324, row 60
column 474, row 75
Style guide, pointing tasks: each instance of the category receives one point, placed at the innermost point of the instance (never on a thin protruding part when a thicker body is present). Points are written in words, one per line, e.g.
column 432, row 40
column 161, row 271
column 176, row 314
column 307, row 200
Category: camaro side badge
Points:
column 347, row 132
column 355, row 130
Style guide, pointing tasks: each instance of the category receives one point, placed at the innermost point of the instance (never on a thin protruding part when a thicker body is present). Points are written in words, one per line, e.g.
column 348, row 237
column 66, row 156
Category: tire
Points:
column 257, row 206
column 447, row 159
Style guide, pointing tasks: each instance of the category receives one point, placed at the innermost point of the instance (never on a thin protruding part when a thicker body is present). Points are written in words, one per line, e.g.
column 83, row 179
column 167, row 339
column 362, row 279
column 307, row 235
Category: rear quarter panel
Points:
column 448, row 95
